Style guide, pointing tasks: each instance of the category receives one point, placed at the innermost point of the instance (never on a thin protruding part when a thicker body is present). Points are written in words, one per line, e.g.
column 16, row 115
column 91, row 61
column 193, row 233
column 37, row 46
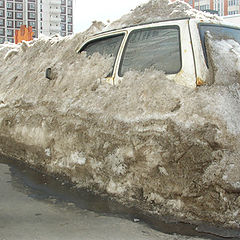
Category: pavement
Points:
column 23, row 216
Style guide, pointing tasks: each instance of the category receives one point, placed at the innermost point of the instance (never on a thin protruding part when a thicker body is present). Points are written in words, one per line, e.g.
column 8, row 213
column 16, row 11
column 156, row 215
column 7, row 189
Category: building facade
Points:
column 48, row 17
column 222, row 7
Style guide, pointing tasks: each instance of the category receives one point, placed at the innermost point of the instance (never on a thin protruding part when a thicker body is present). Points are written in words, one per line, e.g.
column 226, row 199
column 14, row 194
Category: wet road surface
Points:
column 37, row 207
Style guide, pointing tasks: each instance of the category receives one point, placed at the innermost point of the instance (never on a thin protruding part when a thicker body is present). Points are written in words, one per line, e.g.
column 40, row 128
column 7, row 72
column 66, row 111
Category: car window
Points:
column 219, row 32
column 157, row 48
column 107, row 46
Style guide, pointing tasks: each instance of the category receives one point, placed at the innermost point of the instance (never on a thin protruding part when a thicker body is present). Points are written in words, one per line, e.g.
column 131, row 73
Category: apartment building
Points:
column 47, row 17
column 56, row 17
column 222, row 7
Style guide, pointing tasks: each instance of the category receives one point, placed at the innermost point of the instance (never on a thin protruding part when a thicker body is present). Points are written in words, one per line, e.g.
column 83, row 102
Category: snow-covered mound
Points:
column 166, row 147
column 157, row 10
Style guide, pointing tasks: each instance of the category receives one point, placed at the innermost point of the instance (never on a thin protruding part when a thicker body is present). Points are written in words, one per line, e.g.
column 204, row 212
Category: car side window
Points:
column 157, row 48
column 107, row 46
column 219, row 32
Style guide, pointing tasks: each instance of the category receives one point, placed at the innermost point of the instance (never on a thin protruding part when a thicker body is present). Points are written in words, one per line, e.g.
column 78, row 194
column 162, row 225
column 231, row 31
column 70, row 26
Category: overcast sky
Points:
column 86, row 11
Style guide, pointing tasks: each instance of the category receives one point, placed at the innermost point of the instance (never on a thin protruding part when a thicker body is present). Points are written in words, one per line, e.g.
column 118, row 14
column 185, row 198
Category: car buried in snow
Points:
column 176, row 47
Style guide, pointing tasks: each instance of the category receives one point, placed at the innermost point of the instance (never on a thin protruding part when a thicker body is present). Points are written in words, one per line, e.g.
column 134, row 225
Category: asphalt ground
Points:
column 37, row 207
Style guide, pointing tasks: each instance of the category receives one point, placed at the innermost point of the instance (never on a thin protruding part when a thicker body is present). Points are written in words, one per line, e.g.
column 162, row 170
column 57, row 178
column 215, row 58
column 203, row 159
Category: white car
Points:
column 176, row 47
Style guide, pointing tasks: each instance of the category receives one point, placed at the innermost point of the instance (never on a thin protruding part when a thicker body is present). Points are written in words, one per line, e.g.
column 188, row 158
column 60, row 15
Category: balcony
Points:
column 55, row 29
column 55, row 10
column 55, row 2
column 55, row 19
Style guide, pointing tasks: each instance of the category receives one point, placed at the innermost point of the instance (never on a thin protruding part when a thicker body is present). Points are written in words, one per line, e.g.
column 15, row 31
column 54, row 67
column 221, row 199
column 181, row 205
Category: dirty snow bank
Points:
column 168, row 148
column 157, row 10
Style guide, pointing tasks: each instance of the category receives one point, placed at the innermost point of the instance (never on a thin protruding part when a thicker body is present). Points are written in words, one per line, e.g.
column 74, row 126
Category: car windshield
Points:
column 219, row 32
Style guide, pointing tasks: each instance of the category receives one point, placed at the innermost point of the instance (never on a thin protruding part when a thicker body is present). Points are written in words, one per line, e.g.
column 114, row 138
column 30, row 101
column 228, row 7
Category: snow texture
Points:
column 167, row 148
column 156, row 10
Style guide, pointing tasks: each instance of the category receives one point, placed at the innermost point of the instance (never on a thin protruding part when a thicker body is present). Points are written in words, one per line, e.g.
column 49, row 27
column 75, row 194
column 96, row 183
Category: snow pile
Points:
column 169, row 148
column 225, row 98
column 157, row 10
column 227, row 52
column 9, row 48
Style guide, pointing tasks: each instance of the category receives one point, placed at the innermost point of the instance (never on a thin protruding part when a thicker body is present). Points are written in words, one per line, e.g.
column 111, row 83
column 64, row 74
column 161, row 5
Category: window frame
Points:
column 146, row 28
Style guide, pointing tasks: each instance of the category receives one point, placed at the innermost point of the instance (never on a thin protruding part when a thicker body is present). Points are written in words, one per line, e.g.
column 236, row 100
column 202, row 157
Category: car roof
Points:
column 142, row 24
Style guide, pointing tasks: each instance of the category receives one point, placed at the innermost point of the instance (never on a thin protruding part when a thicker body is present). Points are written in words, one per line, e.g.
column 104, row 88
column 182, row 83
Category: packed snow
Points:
column 148, row 140
column 156, row 10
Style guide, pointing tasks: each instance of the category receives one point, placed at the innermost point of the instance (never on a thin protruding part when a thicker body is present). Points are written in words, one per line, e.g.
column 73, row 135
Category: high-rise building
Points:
column 221, row 7
column 55, row 16
column 48, row 17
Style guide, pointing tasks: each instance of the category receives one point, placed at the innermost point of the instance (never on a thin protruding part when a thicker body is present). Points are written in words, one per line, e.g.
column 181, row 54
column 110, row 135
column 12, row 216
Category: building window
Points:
column 10, row 15
column 9, row 23
column 158, row 45
column 69, row 11
column 19, row 6
column 63, row 2
column 69, row 19
column 31, row 6
column 9, row 5
column 63, row 10
column 1, row 3
column 63, row 27
column 70, row 28
column 32, row 23
column 2, row 31
column 1, row 22
column 233, row 3
column 2, row 40
column 1, row 13
column 11, row 40
column 204, row 7
column 31, row 15
column 233, row 12
column 69, row 3
column 63, row 34
column 18, row 24
column 10, row 32
column 19, row 15
column 63, row 18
